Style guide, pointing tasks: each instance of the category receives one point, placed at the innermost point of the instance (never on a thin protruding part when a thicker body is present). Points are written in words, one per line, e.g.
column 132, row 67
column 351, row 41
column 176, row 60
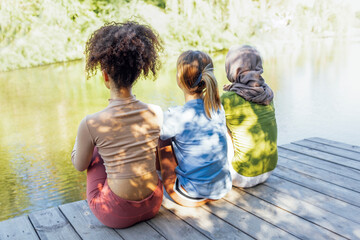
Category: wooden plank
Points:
column 318, row 185
column 318, row 199
column 319, row 163
column 172, row 227
column 322, row 155
column 329, row 149
column 17, row 228
column 330, row 177
column 335, row 144
column 140, row 230
column 205, row 222
column 245, row 221
column 288, row 222
column 328, row 220
column 52, row 224
column 85, row 223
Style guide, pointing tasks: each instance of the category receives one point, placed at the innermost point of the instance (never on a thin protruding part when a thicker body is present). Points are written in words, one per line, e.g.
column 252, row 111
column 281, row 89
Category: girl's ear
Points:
column 177, row 79
column 106, row 79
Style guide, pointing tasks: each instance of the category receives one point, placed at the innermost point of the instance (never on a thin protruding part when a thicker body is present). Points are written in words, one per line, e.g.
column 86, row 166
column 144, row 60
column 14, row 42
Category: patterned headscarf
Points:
column 243, row 67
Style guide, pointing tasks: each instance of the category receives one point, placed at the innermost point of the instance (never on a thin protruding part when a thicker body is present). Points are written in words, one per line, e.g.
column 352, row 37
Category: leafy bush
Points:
column 37, row 32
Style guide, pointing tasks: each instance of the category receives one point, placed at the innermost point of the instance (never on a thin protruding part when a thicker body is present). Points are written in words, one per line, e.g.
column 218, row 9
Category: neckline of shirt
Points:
column 194, row 101
column 122, row 101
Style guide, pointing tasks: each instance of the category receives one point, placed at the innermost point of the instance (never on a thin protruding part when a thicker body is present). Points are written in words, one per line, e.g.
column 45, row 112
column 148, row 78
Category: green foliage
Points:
column 158, row 3
column 40, row 32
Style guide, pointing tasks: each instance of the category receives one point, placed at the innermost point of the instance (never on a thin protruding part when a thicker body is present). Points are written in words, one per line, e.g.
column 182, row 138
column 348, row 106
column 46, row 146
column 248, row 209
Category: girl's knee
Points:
column 164, row 143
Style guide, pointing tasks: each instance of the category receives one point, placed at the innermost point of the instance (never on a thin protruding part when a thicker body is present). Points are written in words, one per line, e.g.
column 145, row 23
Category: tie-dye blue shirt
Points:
column 200, row 148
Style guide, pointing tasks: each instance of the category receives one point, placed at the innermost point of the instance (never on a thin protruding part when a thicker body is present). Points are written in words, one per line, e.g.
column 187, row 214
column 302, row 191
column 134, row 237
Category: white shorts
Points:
column 183, row 194
column 246, row 182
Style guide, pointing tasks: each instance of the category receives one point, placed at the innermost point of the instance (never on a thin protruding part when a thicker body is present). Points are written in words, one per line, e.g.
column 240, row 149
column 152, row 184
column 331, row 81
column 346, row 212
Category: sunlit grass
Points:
column 39, row 32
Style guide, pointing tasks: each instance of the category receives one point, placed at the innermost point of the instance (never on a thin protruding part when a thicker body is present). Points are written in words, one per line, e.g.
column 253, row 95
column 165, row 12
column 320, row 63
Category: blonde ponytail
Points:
column 195, row 73
column 210, row 92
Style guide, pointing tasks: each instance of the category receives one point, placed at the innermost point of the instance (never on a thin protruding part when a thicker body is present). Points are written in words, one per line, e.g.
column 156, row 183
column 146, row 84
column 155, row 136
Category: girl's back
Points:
column 197, row 135
column 117, row 146
column 126, row 134
column 200, row 147
column 254, row 133
column 250, row 117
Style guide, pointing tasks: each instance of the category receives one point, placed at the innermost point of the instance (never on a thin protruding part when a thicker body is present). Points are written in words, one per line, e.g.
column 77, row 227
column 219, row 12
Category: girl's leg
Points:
column 167, row 162
column 109, row 208
column 97, row 191
column 96, row 176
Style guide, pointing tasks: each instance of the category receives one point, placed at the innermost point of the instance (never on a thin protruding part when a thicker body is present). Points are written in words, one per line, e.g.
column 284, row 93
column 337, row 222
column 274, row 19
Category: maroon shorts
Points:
column 110, row 209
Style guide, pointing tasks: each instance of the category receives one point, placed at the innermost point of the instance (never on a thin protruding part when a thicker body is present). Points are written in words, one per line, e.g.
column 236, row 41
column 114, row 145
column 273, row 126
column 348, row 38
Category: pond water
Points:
column 316, row 86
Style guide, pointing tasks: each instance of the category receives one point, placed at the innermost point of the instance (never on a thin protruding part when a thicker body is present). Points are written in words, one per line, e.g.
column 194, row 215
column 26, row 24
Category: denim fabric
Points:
column 201, row 149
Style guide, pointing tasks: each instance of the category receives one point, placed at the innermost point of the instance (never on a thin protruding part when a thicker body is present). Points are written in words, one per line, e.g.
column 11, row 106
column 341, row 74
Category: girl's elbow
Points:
column 80, row 168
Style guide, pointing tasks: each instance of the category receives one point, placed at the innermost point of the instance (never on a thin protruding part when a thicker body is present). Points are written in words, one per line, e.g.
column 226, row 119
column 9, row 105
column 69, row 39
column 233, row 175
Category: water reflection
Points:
column 318, row 91
column 316, row 94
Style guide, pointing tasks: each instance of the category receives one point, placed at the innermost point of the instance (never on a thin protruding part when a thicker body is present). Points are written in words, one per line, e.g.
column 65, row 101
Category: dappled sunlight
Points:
column 357, row 232
column 243, row 219
column 194, row 216
column 182, row 118
column 301, row 208
column 33, row 124
column 191, row 143
column 140, row 131
column 103, row 197
column 95, row 160
column 134, row 183
column 254, row 133
column 104, row 129
column 100, row 187
column 126, row 135
column 313, row 197
column 209, row 145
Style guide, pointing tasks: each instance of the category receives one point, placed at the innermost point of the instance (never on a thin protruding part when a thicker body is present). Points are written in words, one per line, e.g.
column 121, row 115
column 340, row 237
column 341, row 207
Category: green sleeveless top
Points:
column 254, row 134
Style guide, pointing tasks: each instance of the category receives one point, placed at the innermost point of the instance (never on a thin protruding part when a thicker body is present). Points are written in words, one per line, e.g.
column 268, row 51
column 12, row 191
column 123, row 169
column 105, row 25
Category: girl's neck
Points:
column 121, row 93
column 189, row 96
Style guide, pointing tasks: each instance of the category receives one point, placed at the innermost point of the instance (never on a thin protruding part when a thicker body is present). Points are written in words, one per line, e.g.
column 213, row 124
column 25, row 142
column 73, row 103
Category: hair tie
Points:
column 197, row 81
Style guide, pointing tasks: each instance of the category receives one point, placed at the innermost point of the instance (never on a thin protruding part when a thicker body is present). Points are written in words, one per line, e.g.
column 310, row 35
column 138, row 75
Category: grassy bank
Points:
column 40, row 32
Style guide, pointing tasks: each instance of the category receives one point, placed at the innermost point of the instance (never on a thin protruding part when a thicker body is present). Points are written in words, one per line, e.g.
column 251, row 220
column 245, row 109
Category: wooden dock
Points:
column 314, row 193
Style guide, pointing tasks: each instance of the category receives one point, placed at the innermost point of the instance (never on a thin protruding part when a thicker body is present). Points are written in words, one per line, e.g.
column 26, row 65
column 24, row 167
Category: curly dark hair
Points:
column 125, row 51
